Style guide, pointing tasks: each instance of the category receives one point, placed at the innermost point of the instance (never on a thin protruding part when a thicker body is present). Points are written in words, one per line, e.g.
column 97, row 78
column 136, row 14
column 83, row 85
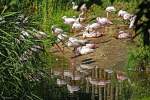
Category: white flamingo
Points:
column 56, row 30
column 74, row 6
column 110, row 9
column 93, row 34
column 81, row 17
column 127, row 16
column 83, row 50
column 132, row 21
column 121, row 13
column 68, row 20
column 74, row 42
column 83, row 8
column 92, row 27
column 77, row 26
column 103, row 21
column 61, row 37
column 123, row 35
column 39, row 34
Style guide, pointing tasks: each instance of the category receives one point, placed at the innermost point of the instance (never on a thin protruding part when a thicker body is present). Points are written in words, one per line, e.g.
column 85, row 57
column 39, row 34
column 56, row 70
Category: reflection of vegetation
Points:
column 126, row 92
column 140, row 85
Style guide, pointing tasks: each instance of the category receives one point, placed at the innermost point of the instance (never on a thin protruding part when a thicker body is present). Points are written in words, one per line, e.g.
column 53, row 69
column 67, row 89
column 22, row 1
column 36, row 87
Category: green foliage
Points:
column 145, row 98
column 139, row 55
column 21, row 64
column 139, row 84
column 142, row 22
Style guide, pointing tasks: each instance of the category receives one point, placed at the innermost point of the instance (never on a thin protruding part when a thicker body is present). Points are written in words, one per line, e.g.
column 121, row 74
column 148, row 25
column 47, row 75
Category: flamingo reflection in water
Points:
column 98, row 82
column 73, row 88
column 121, row 76
column 61, row 82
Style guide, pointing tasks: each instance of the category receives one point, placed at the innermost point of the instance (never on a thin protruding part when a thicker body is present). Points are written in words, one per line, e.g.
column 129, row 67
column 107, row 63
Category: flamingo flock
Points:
column 89, row 30
column 83, row 46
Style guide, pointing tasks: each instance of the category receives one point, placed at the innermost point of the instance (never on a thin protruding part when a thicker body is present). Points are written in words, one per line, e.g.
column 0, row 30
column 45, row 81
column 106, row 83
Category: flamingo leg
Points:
column 107, row 14
column 59, row 48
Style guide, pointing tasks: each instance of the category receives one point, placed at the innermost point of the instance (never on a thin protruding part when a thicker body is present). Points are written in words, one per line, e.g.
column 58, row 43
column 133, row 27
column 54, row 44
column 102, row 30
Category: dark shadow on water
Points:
column 88, row 62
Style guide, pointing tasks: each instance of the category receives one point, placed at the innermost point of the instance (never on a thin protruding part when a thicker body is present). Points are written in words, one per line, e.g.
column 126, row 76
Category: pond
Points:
column 85, row 81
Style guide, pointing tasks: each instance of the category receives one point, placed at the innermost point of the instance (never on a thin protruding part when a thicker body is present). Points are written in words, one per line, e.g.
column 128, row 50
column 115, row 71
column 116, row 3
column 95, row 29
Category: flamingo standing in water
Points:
column 98, row 82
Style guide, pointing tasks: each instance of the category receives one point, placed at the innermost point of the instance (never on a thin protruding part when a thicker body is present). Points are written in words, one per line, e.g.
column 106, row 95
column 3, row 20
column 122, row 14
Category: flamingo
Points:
column 132, row 21
column 123, row 35
column 81, row 17
column 77, row 26
column 82, row 50
column 121, row 13
column 127, row 16
column 92, row 27
column 68, row 20
column 103, row 21
column 74, row 42
column 74, row 6
column 61, row 37
column 39, row 34
column 92, row 34
column 56, row 30
column 110, row 9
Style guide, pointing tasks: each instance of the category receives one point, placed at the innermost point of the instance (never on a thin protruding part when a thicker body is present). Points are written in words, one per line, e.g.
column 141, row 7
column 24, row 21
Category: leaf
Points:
column 8, row 14
column 2, row 54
